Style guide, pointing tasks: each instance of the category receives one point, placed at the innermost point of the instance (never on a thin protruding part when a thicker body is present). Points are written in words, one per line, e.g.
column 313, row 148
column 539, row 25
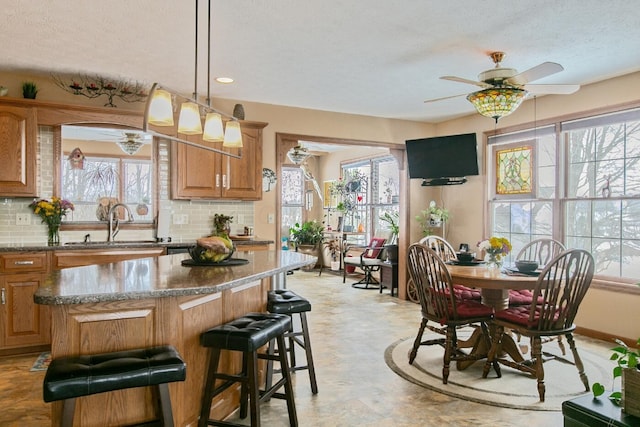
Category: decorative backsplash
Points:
column 188, row 219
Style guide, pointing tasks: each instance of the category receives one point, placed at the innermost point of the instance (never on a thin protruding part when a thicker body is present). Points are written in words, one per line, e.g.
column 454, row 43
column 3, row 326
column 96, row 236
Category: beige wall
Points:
column 604, row 311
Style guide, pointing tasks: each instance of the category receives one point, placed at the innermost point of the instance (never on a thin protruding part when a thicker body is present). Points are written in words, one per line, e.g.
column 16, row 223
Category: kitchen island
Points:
column 154, row 301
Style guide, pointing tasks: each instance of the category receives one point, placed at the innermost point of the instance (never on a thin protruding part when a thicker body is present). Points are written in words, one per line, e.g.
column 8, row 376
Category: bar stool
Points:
column 70, row 377
column 283, row 301
column 247, row 334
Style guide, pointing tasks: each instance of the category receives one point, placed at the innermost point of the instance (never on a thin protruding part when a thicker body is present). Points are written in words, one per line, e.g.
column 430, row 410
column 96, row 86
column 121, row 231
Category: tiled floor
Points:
column 350, row 330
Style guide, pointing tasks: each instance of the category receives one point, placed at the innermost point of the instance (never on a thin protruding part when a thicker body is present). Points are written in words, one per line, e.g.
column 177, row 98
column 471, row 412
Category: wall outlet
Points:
column 23, row 219
column 180, row 219
column 271, row 218
column 240, row 219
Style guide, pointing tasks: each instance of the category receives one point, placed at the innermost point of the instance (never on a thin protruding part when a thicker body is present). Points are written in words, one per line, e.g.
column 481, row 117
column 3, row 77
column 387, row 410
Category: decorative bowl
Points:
column 3, row 91
column 526, row 266
column 197, row 254
column 466, row 256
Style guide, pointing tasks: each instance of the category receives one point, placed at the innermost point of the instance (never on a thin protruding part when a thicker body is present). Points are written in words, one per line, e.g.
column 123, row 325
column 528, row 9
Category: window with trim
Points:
column 577, row 182
column 292, row 198
column 119, row 179
column 379, row 193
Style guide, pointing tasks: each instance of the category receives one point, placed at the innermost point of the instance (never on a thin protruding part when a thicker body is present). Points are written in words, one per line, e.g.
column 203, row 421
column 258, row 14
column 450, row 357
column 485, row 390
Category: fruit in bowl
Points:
column 466, row 256
column 526, row 266
column 212, row 249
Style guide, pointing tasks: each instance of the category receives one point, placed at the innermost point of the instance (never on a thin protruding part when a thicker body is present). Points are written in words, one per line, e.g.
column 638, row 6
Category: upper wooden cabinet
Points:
column 18, row 139
column 202, row 174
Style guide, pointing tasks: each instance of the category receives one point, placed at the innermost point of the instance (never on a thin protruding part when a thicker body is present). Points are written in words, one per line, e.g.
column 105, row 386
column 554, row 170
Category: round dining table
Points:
column 494, row 285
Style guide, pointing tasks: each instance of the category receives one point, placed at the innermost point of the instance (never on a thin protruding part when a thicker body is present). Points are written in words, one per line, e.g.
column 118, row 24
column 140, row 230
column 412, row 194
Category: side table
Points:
column 585, row 411
column 389, row 276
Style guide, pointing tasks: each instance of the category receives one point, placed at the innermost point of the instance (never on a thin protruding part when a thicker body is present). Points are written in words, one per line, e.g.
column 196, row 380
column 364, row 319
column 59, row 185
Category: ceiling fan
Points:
column 503, row 89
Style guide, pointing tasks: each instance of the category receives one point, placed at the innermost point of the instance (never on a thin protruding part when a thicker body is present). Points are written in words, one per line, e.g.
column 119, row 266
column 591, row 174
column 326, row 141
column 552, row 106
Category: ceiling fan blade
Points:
column 539, row 71
column 443, row 98
column 463, row 80
column 551, row 89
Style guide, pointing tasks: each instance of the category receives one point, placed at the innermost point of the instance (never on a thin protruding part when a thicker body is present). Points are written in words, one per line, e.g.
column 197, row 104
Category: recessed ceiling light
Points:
column 224, row 80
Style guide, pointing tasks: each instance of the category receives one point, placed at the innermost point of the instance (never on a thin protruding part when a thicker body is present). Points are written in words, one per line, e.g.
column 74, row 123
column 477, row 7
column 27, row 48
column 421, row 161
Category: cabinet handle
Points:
column 217, row 180
column 2, row 298
column 224, row 180
column 23, row 262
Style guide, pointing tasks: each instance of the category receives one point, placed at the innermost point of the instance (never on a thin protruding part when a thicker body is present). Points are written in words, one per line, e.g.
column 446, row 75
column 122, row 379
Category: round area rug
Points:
column 514, row 389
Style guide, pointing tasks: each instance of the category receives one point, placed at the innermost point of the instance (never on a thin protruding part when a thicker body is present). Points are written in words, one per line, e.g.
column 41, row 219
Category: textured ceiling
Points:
column 376, row 58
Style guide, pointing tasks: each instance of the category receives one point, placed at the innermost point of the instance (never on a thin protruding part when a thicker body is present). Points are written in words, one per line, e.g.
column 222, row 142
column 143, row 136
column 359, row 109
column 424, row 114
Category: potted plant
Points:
column 628, row 370
column 392, row 218
column 29, row 90
column 333, row 246
column 222, row 224
column 433, row 216
column 309, row 233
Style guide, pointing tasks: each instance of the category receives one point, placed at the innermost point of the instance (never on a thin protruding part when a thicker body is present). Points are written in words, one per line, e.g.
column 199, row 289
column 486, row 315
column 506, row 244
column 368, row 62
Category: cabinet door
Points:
column 18, row 139
column 24, row 323
column 243, row 176
column 195, row 173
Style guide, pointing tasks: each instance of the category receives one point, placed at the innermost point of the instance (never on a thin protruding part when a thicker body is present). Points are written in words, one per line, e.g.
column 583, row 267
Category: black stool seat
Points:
column 75, row 376
column 286, row 302
column 247, row 333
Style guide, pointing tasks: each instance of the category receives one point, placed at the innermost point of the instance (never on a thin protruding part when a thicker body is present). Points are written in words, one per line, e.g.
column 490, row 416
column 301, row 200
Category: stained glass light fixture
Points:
column 297, row 154
column 498, row 101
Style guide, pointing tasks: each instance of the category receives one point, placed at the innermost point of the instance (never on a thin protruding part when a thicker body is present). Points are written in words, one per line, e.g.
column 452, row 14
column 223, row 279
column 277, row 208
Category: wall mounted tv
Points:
column 443, row 160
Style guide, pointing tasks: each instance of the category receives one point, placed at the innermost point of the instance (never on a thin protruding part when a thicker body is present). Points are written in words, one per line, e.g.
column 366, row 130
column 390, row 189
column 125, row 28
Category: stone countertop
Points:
column 30, row 247
column 159, row 277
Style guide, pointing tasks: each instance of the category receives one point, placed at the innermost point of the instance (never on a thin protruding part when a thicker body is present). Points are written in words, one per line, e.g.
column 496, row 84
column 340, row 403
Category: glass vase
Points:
column 494, row 261
column 53, row 236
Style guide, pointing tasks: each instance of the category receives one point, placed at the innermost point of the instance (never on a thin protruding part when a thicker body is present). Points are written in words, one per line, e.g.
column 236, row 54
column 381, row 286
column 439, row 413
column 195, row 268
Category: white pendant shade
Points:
column 232, row 135
column 189, row 122
column 213, row 128
column 160, row 109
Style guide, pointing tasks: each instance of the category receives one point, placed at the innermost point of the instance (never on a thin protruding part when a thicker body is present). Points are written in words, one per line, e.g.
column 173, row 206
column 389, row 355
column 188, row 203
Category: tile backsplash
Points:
column 188, row 219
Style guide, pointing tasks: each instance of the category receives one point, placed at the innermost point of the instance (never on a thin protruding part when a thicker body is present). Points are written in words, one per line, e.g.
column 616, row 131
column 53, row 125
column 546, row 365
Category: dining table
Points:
column 494, row 285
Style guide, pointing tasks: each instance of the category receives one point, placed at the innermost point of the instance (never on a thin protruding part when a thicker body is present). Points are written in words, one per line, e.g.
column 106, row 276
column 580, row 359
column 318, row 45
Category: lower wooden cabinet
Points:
column 24, row 324
column 80, row 257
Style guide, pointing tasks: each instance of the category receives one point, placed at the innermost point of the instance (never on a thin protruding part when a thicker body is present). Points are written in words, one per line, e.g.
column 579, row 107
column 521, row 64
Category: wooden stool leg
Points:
column 254, row 393
column 270, row 352
column 68, row 408
column 214, row 359
column 288, row 388
column 307, row 349
column 245, row 386
column 165, row 404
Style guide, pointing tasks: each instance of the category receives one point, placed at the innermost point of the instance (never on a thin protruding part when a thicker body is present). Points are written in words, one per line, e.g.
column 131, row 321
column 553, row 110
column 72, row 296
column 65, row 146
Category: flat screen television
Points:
column 443, row 160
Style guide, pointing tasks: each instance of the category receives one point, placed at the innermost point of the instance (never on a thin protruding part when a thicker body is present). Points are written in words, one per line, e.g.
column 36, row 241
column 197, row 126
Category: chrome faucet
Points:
column 114, row 221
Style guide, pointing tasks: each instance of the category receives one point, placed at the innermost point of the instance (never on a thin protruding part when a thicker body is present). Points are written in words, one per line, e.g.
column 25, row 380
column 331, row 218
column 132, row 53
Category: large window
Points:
column 577, row 182
column 379, row 193
column 293, row 189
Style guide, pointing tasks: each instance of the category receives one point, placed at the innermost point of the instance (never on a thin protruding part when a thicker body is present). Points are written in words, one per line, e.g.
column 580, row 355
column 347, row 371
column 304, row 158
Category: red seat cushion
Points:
column 521, row 297
column 375, row 246
column 519, row 315
column 464, row 293
column 471, row 309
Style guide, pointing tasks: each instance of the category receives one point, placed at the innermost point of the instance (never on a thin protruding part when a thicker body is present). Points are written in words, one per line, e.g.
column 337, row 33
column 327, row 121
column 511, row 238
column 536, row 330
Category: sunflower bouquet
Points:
column 51, row 213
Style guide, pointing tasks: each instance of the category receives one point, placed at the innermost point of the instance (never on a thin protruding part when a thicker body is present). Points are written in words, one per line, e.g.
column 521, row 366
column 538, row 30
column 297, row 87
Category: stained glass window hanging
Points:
column 514, row 170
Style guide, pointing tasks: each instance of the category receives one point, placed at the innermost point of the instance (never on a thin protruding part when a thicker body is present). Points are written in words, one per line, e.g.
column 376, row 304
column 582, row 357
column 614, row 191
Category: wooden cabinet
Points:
column 81, row 257
column 202, row 174
column 18, row 139
column 24, row 324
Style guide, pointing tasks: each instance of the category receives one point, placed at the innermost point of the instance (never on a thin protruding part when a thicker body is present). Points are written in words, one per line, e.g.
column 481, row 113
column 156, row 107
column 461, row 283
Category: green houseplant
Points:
column 29, row 90
column 392, row 218
column 628, row 370
column 433, row 216
column 309, row 233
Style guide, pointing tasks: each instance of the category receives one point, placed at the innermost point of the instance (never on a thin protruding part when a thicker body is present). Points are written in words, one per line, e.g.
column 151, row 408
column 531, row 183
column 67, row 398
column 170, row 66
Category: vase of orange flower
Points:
column 495, row 249
column 51, row 213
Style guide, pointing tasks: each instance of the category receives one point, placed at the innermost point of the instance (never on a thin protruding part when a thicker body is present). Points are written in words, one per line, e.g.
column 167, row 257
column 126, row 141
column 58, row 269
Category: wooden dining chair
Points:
column 561, row 287
column 438, row 305
column 446, row 252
